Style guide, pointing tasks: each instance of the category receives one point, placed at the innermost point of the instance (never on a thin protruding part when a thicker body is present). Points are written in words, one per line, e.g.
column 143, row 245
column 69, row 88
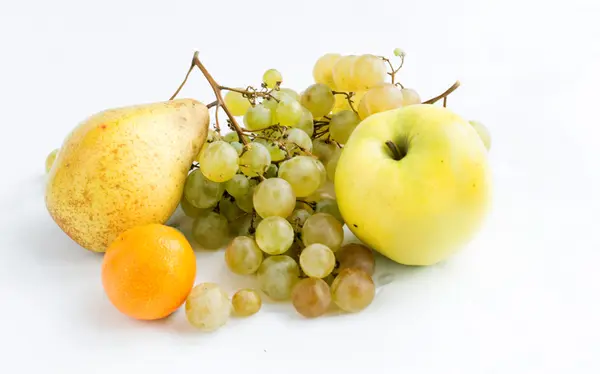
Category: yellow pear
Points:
column 414, row 183
column 124, row 167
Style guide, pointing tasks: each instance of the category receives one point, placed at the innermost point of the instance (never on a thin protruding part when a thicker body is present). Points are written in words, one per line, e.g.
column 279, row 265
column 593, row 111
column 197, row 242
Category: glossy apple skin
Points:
column 421, row 209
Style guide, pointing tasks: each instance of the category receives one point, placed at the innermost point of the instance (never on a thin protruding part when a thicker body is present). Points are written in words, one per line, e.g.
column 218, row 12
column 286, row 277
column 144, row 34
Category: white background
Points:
column 522, row 298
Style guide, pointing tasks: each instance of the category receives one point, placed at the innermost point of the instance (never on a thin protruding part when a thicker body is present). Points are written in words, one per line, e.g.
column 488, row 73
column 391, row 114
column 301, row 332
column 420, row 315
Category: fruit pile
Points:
column 265, row 192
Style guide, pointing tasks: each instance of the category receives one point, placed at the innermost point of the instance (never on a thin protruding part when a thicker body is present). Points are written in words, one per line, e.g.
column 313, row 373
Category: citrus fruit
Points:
column 148, row 271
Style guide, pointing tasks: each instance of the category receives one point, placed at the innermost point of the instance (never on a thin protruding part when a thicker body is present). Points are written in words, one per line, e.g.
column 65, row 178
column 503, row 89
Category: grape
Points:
column 274, row 197
column 272, row 78
column 295, row 250
column 323, row 69
column 277, row 154
column 241, row 226
column 239, row 147
column 230, row 209
column 254, row 160
column 380, row 99
column 245, row 202
column 257, row 117
column 352, row 290
column 243, row 256
column 201, row 192
column 277, row 275
column 311, row 297
column 317, row 260
column 483, row 132
column 274, row 235
column 332, row 164
column 271, row 171
column 328, row 205
column 212, row 136
column 399, row 52
column 343, row 73
column 207, row 307
column 297, row 141
column 356, row 256
column 324, row 229
column 211, row 230
column 341, row 101
column 237, row 186
column 410, row 97
column 297, row 219
column 288, row 112
column 236, row 103
column 218, row 161
column 189, row 209
column 289, row 92
column 303, row 173
column 306, row 123
column 368, row 71
column 246, row 302
column 318, row 98
column 50, row 159
column 342, row 125
column 231, row 137
column 323, row 150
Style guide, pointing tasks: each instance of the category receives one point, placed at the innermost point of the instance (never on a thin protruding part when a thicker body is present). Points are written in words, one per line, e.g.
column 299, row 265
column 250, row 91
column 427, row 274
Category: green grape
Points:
column 297, row 219
column 210, row 230
column 246, row 302
column 323, row 150
column 368, row 71
column 311, row 297
column 288, row 92
column 410, row 97
column 352, row 290
column 303, row 173
column 189, row 209
column 231, row 137
column 356, row 256
column 239, row 147
column 207, row 307
column 50, row 159
column 483, row 132
column 230, row 209
column 328, row 205
column 380, row 99
column 288, row 112
column 324, row 229
column 274, row 235
column 218, row 161
column 342, row 73
column 277, row 154
column 271, row 104
column 272, row 78
column 245, row 202
column 238, row 186
column 332, row 164
column 274, row 197
column 399, row 52
column 212, row 136
column 257, row 117
column 318, row 98
column 271, row 171
column 201, row 192
column 297, row 141
column 323, row 69
column 254, row 160
column 306, row 123
column 277, row 275
column 317, row 260
column 342, row 125
column 241, row 226
column 243, row 256
column 236, row 103
column 305, row 206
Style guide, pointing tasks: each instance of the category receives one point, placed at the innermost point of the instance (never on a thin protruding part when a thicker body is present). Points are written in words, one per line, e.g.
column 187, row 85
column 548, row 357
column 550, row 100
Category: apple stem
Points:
column 397, row 153
column 444, row 94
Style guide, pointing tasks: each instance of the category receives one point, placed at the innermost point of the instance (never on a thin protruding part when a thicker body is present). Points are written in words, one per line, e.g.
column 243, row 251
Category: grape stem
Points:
column 392, row 73
column 217, row 127
column 217, row 91
column 348, row 96
column 248, row 93
column 443, row 95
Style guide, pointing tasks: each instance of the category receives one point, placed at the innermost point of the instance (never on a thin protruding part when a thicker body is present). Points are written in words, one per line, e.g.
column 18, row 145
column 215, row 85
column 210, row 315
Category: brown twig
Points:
column 210, row 105
column 348, row 96
column 217, row 126
column 443, row 94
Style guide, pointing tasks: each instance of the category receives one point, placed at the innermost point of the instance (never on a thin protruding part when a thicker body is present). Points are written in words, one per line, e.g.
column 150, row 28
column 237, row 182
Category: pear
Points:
column 124, row 167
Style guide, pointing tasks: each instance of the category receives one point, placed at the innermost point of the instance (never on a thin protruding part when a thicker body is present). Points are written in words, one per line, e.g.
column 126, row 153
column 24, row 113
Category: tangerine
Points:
column 148, row 271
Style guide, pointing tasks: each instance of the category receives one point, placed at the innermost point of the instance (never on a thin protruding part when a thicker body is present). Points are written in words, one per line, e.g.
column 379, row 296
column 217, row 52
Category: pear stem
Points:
column 443, row 95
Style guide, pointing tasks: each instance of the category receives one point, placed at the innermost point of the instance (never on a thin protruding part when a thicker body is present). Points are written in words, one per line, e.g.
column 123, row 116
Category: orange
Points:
column 148, row 271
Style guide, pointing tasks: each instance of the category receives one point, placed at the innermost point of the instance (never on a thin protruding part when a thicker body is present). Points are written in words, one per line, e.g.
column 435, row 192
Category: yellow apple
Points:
column 414, row 183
